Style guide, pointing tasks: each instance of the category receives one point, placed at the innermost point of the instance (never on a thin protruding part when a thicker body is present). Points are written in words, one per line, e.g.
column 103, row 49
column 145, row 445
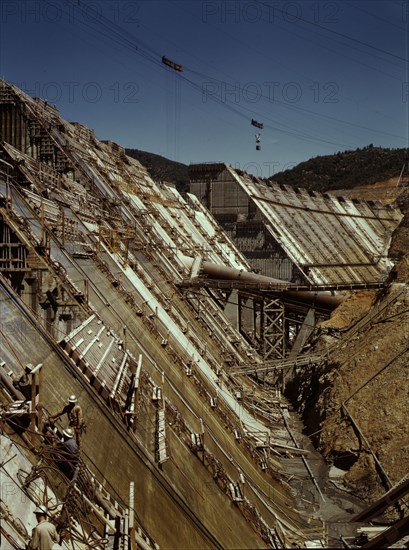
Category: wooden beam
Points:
column 397, row 492
column 388, row 537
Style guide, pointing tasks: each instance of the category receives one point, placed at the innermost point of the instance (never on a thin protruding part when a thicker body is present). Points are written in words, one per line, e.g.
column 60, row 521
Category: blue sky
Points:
column 321, row 75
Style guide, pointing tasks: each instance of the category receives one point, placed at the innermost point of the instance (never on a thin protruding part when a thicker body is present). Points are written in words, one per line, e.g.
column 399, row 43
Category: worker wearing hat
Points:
column 69, row 441
column 44, row 533
column 75, row 417
column 23, row 382
column 67, row 453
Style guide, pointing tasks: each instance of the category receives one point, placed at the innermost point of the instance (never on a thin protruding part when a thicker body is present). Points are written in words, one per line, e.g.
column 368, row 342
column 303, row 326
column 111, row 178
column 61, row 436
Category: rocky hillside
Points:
column 355, row 405
column 346, row 169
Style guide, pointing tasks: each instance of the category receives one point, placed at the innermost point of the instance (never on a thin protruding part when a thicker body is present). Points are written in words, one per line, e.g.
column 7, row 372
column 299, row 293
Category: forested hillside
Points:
column 346, row 169
column 162, row 169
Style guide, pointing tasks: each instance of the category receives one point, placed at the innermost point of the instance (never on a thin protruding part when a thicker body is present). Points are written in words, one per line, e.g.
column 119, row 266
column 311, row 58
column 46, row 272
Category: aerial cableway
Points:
column 172, row 64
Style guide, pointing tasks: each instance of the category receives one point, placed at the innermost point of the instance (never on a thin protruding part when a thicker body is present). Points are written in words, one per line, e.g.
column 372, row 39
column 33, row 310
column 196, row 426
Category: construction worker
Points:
column 44, row 534
column 23, row 383
column 75, row 417
column 67, row 453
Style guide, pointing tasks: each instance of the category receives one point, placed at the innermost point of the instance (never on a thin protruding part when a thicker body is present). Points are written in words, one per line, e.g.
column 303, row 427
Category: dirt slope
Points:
column 356, row 404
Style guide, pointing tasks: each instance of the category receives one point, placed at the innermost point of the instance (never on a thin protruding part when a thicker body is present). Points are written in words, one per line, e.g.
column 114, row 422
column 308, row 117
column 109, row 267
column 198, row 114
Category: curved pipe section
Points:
column 216, row 271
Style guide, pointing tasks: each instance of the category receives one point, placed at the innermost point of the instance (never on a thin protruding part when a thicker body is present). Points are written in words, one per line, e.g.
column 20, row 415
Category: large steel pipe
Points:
column 322, row 298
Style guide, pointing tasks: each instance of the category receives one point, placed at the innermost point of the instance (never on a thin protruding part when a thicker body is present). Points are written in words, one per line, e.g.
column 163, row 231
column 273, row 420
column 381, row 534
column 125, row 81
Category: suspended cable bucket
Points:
column 258, row 135
column 258, row 146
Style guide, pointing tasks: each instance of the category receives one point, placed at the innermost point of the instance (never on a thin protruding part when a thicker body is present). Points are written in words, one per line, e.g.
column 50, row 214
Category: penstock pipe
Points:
column 322, row 298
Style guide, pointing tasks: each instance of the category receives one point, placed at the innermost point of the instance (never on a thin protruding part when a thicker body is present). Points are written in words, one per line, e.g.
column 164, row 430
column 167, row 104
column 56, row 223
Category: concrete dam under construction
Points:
column 178, row 324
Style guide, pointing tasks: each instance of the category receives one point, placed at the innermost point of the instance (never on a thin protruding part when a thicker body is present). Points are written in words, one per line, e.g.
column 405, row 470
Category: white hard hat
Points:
column 72, row 399
column 68, row 432
column 41, row 510
column 29, row 366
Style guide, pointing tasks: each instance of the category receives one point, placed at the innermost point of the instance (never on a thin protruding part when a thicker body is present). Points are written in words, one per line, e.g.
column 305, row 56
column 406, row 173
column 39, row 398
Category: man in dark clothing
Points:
column 23, row 383
column 67, row 453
